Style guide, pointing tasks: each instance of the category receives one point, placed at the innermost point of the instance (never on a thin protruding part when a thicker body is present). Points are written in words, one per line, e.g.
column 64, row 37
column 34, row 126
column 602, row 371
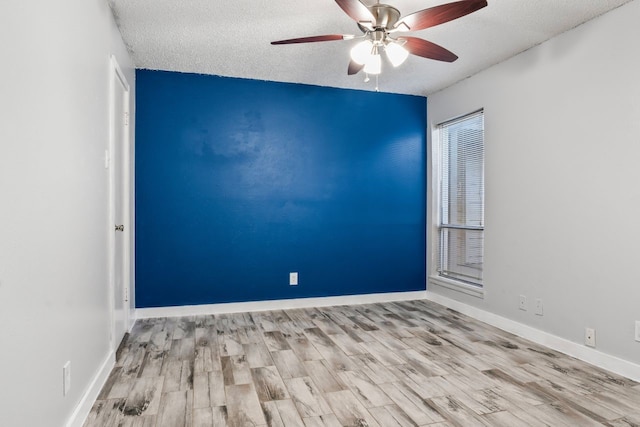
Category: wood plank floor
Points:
column 394, row 364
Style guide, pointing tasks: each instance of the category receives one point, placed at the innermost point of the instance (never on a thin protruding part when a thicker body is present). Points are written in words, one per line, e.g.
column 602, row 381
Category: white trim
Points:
column 465, row 288
column 433, row 199
column 579, row 351
column 82, row 409
column 243, row 307
column 116, row 68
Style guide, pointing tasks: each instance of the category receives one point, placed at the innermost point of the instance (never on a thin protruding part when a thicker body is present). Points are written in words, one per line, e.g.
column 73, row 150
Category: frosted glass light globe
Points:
column 361, row 52
column 396, row 53
column 373, row 65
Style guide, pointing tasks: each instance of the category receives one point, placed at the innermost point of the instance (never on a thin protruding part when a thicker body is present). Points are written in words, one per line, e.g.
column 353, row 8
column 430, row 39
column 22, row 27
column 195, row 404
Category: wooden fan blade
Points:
column 312, row 39
column 354, row 68
column 439, row 14
column 356, row 10
column 427, row 49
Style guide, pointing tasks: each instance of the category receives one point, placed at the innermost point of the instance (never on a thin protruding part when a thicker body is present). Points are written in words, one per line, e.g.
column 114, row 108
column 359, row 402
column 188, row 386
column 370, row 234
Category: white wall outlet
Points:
column 638, row 330
column 66, row 378
column 539, row 310
column 523, row 303
column 293, row 279
column 590, row 337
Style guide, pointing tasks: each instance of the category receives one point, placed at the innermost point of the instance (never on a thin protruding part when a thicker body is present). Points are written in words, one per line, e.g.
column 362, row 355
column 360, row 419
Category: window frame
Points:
column 435, row 278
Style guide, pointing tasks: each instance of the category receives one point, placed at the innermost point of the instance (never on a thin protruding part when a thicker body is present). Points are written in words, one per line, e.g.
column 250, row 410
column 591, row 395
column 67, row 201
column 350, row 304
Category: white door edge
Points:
column 116, row 76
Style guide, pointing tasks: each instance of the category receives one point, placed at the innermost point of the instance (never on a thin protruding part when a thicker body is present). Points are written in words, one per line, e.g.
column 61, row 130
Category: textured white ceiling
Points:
column 231, row 38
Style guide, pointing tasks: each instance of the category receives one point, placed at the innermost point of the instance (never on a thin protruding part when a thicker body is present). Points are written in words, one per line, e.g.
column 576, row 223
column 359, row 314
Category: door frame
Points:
column 116, row 75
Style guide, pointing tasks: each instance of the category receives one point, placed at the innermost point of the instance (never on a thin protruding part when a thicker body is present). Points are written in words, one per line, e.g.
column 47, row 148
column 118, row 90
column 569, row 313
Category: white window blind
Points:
column 461, row 227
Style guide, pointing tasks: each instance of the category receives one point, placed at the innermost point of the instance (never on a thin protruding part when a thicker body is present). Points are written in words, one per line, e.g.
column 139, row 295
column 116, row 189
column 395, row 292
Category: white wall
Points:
column 54, row 116
column 562, row 134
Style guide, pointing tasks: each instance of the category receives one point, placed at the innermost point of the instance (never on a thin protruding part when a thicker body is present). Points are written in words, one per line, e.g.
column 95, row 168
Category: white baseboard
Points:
column 243, row 307
column 579, row 351
column 81, row 412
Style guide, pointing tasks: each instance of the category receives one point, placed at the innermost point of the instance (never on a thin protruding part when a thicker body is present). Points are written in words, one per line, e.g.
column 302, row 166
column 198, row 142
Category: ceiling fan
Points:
column 380, row 22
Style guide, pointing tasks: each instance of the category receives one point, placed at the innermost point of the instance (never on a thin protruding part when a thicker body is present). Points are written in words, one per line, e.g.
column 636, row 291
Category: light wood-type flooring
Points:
column 410, row 363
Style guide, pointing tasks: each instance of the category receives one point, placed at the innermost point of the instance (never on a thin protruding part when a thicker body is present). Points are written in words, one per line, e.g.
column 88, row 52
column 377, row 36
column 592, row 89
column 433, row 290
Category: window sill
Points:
column 454, row 285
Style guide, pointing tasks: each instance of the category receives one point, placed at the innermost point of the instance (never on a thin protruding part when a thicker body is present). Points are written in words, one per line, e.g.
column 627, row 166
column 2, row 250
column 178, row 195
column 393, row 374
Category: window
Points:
column 461, row 199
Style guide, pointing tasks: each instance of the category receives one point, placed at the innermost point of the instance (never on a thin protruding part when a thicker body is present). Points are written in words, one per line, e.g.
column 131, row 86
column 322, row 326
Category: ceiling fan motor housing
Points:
column 386, row 16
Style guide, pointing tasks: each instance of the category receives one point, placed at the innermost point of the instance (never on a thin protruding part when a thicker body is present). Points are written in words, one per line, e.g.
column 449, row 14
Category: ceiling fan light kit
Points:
column 367, row 52
column 379, row 21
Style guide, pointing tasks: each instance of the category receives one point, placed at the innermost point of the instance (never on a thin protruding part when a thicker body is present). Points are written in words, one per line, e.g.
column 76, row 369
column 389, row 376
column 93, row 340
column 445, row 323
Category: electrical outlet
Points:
column 590, row 337
column 638, row 330
column 539, row 311
column 66, row 378
column 523, row 302
column 293, row 279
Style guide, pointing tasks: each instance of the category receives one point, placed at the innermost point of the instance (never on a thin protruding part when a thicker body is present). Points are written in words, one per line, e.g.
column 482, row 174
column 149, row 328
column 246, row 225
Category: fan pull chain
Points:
column 367, row 79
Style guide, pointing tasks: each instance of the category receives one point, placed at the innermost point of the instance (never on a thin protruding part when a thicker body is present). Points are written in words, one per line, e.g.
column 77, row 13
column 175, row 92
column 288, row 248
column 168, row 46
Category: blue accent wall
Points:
column 239, row 182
